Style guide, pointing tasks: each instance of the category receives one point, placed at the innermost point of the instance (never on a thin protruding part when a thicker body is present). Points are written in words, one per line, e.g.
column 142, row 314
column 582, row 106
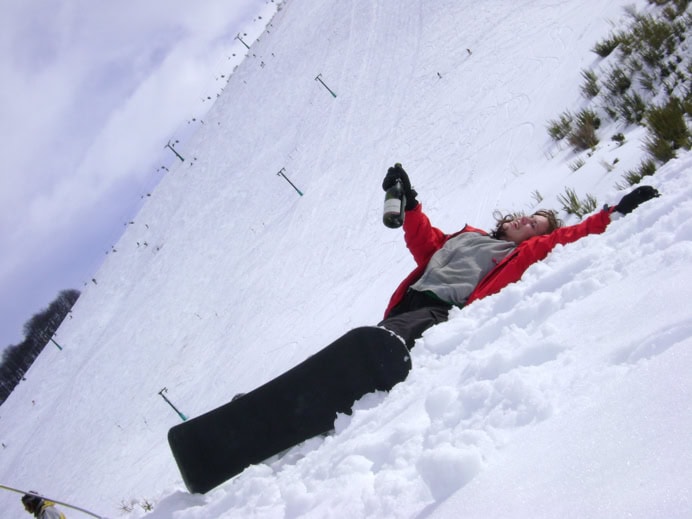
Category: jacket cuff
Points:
column 613, row 212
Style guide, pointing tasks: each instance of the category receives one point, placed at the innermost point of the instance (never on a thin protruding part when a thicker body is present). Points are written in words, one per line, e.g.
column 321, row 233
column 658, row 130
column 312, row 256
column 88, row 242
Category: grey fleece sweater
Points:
column 454, row 271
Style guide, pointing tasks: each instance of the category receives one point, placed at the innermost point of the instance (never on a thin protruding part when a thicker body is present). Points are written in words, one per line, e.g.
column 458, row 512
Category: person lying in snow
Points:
column 457, row 269
column 40, row 508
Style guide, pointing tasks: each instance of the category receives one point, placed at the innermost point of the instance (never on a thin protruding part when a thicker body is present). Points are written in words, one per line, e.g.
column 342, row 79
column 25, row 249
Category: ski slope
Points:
column 565, row 395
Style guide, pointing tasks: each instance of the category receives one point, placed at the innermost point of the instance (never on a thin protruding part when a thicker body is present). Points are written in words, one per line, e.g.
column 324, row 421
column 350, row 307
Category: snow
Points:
column 565, row 395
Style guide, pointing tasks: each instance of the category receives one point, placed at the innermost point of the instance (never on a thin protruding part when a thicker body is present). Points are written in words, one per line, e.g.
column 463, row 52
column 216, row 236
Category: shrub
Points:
column 606, row 47
column 655, row 38
column 559, row 129
column 617, row 82
column 632, row 108
column 577, row 164
column 668, row 121
column 572, row 205
column 619, row 138
column 671, row 12
column 632, row 177
column 669, row 131
column 583, row 136
column 652, row 63
column 612, row 113
column 634, row 65
column 590, row 86
column 648, row 82
column 687, row 105
column 659, row 148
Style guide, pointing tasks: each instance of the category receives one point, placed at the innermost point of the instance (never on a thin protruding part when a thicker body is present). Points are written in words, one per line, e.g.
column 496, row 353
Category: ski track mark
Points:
column 654, row 344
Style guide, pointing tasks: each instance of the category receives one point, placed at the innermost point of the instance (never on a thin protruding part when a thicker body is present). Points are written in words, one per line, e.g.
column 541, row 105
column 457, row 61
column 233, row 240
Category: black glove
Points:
column 632, row 200
column 398, row 173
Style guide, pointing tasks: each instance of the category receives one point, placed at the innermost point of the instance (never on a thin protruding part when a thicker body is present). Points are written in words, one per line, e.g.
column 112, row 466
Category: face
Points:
column 525, row 227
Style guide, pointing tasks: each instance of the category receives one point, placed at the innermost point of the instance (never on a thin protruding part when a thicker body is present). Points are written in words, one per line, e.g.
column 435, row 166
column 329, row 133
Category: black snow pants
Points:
column 414, row 314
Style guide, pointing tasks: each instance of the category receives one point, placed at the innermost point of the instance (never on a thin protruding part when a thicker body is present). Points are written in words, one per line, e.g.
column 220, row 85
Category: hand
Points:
column 632, row 200
column 397, row 173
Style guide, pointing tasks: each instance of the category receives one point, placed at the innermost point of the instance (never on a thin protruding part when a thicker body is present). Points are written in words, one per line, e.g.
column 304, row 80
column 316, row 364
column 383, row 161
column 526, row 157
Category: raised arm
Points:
column 422, row 239
column 536, row 249
column 596, row 223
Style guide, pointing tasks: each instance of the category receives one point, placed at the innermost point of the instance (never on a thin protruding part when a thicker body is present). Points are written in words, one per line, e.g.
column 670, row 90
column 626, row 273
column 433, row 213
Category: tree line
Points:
column 38, row 331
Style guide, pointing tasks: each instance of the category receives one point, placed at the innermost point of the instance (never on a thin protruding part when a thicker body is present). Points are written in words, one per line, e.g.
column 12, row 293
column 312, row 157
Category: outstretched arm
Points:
column 539, row 247
column 422, row 239
column 536, row 249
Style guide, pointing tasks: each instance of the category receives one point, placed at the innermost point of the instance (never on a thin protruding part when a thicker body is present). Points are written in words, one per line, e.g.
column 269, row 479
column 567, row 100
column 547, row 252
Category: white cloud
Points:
column 78, row 78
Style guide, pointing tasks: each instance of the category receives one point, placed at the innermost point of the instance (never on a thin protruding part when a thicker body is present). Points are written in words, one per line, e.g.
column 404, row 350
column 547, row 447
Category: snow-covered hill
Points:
column 566, row 395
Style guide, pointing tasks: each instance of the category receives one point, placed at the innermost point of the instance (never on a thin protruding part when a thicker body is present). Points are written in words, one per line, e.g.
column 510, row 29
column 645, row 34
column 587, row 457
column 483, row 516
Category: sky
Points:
column 564, row 395
column 91, row 94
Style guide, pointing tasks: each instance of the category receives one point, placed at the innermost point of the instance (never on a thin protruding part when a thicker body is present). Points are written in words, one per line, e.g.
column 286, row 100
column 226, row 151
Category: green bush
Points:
column 572, row 205
column 617, row 82
column 669, row 131
column 590, row 86
column 606, row 47
column 654, row 38
column 652, row 63
column 583, row 135
column 577, row 164
column 678, row 8
column 648, row 82
column 632, row 108
column 559, row 129
column 632, row 177
column 619, row 138
column 659, row 148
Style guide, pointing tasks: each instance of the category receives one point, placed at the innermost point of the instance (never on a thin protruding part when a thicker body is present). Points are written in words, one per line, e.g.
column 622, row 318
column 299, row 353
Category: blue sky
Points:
column 78, row 77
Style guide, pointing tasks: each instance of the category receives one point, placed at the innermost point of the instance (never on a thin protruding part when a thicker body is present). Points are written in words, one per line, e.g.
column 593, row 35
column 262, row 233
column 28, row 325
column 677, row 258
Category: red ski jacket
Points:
column 423, row 240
